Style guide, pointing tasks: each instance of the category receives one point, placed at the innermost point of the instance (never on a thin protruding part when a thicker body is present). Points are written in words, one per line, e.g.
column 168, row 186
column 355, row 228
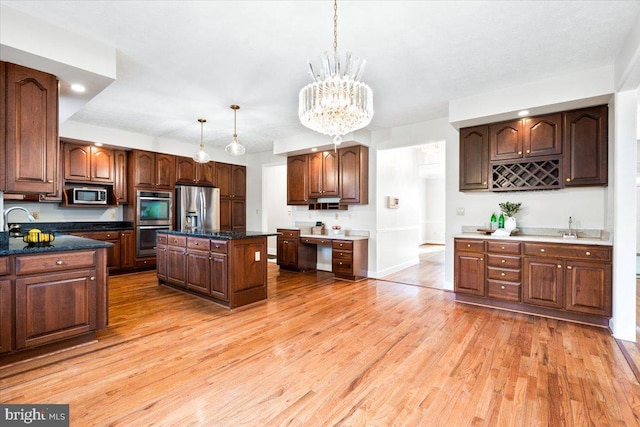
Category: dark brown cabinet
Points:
column 218, row 267
column 161, row 257
column 474, row 158
column 353, row 176
column 543, row 282
column 198, row 278
column 585, row 146
column 120, row 177
column 292, row 255
column 176, row 268
column 127, row 249
column 6, row 317
column 120, row 256
column 87, row 163
column 29, row 132
column 505, row 140
column 469, row 267
column 232, row 181
column 298, row 180
column 152, row 170
column 542, row 135
column 588, row 287
column 349, row 259
column 190, row 172
column 323, row 174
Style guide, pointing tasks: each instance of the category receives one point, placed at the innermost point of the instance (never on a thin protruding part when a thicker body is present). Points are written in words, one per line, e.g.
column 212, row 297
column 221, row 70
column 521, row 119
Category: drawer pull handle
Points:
column 197, row 243
column 559, row 266
column 528, row 151
column 502, row 274
column 503, row 261
column 541, row 250
column 502, row 247
column 502, row 287
column 58, row 262
column 92, row 278
column 588, row 253
column 467, row 245
column 108, row 235
column 569, row 267
column 519, row 152
column 340, row 263
column 340, row 244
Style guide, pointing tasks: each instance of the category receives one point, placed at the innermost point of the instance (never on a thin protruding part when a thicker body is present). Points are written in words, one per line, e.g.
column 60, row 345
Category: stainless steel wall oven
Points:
column 154, row 212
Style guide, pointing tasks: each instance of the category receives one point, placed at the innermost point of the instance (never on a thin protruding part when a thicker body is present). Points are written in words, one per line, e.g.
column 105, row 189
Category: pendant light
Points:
column 235, row 147
column 200, row 156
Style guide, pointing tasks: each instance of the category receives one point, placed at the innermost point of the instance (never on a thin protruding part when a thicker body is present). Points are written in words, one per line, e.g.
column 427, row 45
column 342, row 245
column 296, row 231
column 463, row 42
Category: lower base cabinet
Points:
column 6, row 317
column 120, row 256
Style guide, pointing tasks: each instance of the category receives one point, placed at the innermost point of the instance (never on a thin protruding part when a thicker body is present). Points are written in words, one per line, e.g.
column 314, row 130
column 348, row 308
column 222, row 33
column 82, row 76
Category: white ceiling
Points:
column 181, row 60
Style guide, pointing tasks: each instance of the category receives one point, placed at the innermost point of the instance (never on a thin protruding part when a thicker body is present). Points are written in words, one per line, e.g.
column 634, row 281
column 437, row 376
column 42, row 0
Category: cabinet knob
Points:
column 108, row 235
column 49, row 181
column 587, row 253
column 528, row 151
column 502, row 247
column 502, row 274
column 502, row 287
column 92, row 278
column 568, row 179
column 286, row 242
column 559, row 266
column 340, row 244
column 481, row 259
column 468, row 246
column 569, row 267
column 519, row 152
column 484, row 183
column 58, row 262
column 541, row 250
column 197, row 243
column 504, row 260
column 340, row 262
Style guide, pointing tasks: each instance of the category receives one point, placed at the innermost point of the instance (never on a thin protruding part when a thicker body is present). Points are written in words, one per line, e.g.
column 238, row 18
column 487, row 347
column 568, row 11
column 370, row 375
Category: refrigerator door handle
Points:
column 203, row 209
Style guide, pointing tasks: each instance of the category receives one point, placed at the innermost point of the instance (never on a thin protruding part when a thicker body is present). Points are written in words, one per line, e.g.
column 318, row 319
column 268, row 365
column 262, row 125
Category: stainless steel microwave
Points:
column 89, row 196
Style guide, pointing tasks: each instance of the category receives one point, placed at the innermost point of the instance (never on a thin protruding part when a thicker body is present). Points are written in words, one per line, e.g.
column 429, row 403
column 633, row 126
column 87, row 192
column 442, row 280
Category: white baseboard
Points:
column 390, row 270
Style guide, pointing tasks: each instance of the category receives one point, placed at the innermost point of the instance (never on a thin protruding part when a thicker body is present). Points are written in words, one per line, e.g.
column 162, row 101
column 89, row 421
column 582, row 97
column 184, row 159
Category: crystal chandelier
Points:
column 235, row 147
column 200, row 156
column 336, row 102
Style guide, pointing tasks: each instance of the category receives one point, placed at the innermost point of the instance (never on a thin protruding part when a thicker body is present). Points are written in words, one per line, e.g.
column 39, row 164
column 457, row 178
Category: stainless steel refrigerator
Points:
column 197, row 208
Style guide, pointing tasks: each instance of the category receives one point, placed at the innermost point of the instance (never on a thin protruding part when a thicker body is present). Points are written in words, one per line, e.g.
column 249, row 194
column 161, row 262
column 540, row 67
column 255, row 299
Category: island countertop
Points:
column 219, row 234
column 62, row 242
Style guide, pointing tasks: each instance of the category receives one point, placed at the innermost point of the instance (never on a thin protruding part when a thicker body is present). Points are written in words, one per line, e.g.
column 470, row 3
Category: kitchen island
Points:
column 228, row 267
column 51, row 297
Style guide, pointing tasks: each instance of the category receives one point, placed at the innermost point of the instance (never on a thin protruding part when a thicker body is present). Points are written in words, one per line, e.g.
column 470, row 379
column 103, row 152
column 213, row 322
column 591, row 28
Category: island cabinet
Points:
column 298, row 180
column 29, row 132
column 292, row 255
column 152, row 170
column 568, row 281
column 191, row 173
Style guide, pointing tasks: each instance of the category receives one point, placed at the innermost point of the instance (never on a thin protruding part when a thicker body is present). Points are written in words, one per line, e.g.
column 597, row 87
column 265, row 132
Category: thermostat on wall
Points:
column 392, row 202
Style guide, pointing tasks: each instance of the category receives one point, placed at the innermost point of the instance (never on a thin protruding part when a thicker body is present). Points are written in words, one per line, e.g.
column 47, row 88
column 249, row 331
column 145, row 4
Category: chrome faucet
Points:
column 13, row 208
column 570, row 234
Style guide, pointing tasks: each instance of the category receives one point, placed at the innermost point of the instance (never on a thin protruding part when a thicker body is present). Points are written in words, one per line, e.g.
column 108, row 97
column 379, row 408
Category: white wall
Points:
column 432, row 210
column 275, row 212
column 52, row 212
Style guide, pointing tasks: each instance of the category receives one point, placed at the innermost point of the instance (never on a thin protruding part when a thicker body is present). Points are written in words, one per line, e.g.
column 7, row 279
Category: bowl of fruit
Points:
column 36, row 237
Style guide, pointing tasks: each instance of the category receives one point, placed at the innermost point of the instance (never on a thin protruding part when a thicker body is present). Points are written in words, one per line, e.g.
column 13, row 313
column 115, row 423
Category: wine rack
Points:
column 538, row 175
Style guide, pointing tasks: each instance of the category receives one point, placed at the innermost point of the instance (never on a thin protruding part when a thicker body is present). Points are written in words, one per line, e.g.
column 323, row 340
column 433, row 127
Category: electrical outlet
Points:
column 113, row 215
column 257, row 255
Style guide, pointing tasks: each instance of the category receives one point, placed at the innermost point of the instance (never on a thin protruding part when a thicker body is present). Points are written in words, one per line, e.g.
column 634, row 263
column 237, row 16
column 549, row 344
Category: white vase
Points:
column 510, row 223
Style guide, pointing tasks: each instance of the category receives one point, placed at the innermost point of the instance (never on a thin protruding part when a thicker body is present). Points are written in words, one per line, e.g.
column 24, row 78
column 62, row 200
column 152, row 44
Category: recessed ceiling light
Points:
column 523, row 113
column 314, row 149
column 77, row 87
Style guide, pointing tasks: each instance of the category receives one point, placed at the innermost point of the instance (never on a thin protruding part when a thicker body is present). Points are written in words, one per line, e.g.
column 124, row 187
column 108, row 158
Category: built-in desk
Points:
column 298, row 252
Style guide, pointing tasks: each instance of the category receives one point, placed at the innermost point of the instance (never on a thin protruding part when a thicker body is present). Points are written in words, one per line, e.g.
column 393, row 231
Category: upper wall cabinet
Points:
column 152, row 170
column 537, row 153
column 232, row 181
column 354, row 175
column 474, row 158
column 88, row 163
column 323, row 174
column 298, row 180
column 29, row 131
column 190, row 172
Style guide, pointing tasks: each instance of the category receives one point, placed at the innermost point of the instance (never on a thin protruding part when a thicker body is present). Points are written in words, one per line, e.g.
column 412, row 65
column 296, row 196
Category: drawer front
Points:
column 503, row 290
column 145, row 263
column 162, row 239
column 342, row 267
column 500, row 247
column 469, row 245
column 600, row 253
column 104, row 235
column 175, row 240
column 55, row 262
column 315, row 241
column 219, row 246
column 4, row 266
column 198, row 243
column 338, row 254
column 503, row 274
column 504, row 261
column 291, row 234
column 343, row 244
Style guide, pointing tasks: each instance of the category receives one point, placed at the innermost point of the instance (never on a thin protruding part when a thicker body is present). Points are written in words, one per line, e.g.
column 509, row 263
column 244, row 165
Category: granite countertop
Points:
column 62, row 242
column 223, row 235
column 67, row 227
column 533, row 238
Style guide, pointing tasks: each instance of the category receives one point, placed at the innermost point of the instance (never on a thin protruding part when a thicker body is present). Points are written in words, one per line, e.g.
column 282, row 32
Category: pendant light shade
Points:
column 201, row 156
column 235, row 148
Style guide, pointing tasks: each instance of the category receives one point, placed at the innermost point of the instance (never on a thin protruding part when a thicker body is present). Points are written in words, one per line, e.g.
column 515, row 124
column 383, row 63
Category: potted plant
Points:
column 509, row 210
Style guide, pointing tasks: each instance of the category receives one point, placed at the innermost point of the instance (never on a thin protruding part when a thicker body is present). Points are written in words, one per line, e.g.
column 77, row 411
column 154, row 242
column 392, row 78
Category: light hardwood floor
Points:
column 429, row 272
column 327, row 352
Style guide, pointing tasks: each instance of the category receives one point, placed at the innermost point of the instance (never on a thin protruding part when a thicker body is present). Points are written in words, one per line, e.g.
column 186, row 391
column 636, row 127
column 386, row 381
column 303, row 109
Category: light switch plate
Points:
column 460, row 211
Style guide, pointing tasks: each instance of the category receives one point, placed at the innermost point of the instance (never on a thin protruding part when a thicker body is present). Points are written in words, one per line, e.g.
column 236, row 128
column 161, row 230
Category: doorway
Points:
column 276, row 213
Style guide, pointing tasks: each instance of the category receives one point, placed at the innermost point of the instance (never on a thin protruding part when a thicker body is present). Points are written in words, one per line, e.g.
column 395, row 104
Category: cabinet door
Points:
column 298, row 180
column 323, row 174
column 239, row 182
column 543, row 135
column 185, row 170
column 102, row 165
column 585, row 146
column 77, row 162
column 161, row 261
column 315, row 175
column 120, row 177
column 238, row 215
column 223, row 179
column 353, row 175
column 165, row 171
column 287, row 252
column 505, row 140
column 469, row 273
column 127, row 249
column 588, row 287
column 55, row 306
column 6, row 317
column 219, row 286
column 225, row 214
column 198, row 271
column 32, row 145
column 176, row 265
column 474, row 158
column 206, row 173
column 114, row 253
column 543, row 282
column 144, row 169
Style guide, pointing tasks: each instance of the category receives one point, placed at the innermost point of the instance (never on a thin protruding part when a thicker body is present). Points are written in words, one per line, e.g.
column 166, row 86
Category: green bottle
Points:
column 501, row 221
column 494, row 221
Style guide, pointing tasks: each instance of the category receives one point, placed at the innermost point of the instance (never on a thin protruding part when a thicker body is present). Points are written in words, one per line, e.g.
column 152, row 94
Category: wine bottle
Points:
column 494, row 221
column 501, row 221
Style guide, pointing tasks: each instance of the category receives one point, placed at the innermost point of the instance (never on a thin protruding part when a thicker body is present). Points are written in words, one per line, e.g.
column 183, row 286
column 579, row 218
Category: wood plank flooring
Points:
column 328, row 352
column 429, row 272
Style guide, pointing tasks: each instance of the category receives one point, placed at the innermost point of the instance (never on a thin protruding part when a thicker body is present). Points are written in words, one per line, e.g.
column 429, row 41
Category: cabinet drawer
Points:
column 504, row 261
column 469, row 245
column 343, row 244
column 342, row 255
column 145, row 262
column 198, row 243
column 503, row 290
column 219, row 246
column 4, row 266
column 289, row 233
column 103, row 235
column 54, row 262
column 175, row 240
column 503, row 274
column 162, row 239
column 342, row 267
column 600, row 253
column 504, row 247
column 315, row 241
